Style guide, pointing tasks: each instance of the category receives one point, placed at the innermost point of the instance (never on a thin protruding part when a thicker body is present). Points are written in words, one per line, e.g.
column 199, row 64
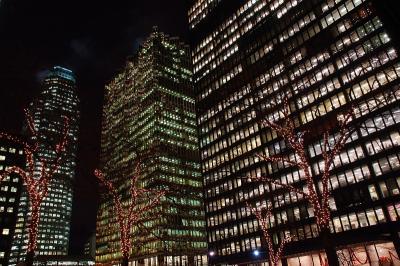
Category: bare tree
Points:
column 263, row 215
column 330, row 149
column 141, row 202
column 36, row 182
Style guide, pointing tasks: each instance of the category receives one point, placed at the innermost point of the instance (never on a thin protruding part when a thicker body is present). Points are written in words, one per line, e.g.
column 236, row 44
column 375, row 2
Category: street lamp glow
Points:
column 211, row 253
column 256, row 253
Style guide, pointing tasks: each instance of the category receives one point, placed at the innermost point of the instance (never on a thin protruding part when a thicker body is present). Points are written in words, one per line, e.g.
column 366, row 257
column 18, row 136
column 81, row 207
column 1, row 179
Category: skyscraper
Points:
column 149, row 108
column 57, row 99
column 325, row 56
column 11, row 154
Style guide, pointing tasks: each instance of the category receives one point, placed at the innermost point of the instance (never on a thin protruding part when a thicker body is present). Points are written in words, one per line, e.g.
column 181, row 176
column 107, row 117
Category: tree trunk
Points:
column 329, row 247
column 32, row 235
column 160, row 259
column 125, row 261
column 29, row 258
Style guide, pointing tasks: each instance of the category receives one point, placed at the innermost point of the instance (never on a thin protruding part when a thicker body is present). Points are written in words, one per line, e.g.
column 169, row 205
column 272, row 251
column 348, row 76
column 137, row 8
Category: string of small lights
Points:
column 295, row 140
column 274, row 255
column 135, row 211
column 37, row 187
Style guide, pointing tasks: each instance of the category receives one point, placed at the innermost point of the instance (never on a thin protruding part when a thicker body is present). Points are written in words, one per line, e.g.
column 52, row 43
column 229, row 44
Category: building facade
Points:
column 325, row 56
column 10, row 192
column 90, row 246
column 64, row 261
column 149, row 108
column 57, row 99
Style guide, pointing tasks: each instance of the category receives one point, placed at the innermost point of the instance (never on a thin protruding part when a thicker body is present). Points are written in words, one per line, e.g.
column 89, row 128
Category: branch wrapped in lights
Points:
column 37, row 187
column 296, row 142
column 274, row 255
column 134, row 212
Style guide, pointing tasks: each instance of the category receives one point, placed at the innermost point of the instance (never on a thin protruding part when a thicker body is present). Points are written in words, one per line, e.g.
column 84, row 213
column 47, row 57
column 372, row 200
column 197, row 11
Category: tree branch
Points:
column 278, row 183
column 109, row 185
column 30, row 122
column 14, row 170
column 277, row 158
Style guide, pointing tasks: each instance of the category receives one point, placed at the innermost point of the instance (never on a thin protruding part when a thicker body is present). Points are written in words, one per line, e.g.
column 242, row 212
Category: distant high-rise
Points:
column 90, row 246
column 325, row 56
column 149, row 107
column 11, row 154
column 57, row 99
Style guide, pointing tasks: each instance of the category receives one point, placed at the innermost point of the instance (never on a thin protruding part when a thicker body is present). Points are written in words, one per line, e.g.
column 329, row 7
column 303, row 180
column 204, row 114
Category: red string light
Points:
column 354, row 257
column 37, row 187
column 393, row 257
column 274, row 255
column 295, row 141
column 323, row 261
column 134, row 212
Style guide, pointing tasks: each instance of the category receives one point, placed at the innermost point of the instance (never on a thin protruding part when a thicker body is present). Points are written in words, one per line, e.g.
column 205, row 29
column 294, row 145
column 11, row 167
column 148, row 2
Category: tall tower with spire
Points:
column 57, row 99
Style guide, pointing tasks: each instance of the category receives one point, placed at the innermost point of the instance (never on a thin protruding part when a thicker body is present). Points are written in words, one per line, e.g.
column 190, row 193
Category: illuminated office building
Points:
column 150, row 108
column 325, row 55
column 64, row 261
column 57, row 99
column 10, row 192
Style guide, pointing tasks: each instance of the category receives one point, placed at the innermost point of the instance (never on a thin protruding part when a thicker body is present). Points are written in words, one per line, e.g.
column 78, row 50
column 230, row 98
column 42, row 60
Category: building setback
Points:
column 325, row 56
column 11, row 154
column 90, row 246
column 149, row 108
column 58, row 99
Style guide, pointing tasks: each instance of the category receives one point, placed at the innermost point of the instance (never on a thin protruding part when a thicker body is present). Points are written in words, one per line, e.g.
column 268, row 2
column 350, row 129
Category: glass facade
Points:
column 149, row 108
column 57, row 99
column 10, row 192
column 325, row 56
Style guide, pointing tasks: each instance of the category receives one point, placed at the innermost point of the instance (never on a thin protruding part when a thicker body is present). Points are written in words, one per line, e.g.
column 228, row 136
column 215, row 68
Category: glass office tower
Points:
column 149, row 108
column 325, row 55
column 57, row 99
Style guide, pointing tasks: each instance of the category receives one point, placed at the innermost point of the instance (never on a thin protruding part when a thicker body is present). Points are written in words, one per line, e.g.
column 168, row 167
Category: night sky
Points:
column 91, row 37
